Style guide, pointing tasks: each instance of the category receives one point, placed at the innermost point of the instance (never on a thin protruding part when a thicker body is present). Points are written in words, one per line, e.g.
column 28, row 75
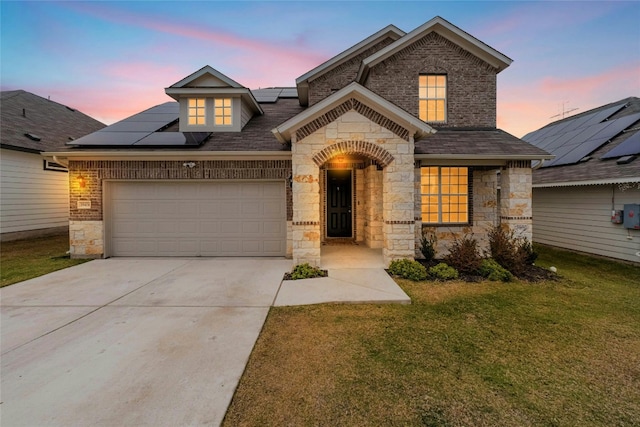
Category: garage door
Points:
column 197, row 218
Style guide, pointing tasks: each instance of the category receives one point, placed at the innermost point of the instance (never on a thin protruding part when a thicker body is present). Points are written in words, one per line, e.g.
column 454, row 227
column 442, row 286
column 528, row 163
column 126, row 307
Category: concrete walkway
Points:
column 356, row 276
column 162, row 342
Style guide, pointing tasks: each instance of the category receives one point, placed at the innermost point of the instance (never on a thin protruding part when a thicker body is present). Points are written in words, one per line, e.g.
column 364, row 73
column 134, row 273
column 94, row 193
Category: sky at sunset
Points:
column 112, row 59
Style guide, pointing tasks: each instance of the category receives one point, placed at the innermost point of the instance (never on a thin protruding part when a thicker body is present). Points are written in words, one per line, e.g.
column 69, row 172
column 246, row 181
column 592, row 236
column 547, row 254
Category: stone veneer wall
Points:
column 373, row 207
column 86, row 226
column 515, row 198
column 484, row 214
column 352, row 130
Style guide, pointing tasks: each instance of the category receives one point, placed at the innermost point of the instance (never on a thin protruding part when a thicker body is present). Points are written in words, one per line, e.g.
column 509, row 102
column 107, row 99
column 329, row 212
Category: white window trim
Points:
column 445, row 99
column 469, row 199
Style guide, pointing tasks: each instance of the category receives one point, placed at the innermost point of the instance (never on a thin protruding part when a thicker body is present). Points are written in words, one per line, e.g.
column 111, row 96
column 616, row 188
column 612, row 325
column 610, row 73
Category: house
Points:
column 34, row 191
column 391, row 138
column 584, row 199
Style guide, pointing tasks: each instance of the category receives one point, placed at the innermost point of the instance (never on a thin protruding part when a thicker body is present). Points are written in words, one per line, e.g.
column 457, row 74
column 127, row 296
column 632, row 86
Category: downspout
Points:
column 538, row 166
column 64, row 163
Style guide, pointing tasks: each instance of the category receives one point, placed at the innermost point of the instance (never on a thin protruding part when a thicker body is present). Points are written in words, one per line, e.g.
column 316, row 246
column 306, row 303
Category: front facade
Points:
column 392, row 138
column 582, row 197
column 34, row 192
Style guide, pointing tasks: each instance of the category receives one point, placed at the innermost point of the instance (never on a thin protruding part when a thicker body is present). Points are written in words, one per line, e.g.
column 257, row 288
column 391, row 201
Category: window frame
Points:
column 197, row 111
column 227, row 112
column 439, row 195
column 440, row 94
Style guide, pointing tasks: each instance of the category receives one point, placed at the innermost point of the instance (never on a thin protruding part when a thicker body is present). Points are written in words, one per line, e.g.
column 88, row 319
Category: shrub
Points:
column 443, row 272
column 494, row 271
column 512, row 253
column 464, row 255
column 306, row 271
column 428, row 246
column 408, row 269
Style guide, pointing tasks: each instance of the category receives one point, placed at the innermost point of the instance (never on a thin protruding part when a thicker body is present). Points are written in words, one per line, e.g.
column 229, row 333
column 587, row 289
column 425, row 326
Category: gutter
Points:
column 63, row 157
column 635, row 179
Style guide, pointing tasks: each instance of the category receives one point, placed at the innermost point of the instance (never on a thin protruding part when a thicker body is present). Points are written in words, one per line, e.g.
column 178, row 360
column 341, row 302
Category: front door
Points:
column 339, row 203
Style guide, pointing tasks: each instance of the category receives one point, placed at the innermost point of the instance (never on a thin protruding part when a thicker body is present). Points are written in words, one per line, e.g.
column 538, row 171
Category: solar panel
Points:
column 289, row 92
column 129, row 131
column 110, row 138
column 618, row 125
column 134, row 126
column 578, row 152
column 176, row 139
column 629, row 146
column 605, row 114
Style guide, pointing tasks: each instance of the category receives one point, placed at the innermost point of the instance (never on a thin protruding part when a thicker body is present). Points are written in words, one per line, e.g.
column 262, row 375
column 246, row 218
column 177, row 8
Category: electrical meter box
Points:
column 632, row 216
column 616, row 216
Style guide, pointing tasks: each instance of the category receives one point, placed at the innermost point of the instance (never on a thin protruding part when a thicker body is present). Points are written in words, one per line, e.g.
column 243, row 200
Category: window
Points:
column 445, row 194
column 222, row 112
column 433, row 98
column 197, row 111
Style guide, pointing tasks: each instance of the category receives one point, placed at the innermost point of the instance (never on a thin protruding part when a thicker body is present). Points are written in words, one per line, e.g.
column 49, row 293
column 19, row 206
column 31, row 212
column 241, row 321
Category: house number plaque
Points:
column 84, row 204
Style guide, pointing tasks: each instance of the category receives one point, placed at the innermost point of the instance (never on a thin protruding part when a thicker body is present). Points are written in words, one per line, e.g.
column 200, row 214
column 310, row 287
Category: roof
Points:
column 208, row 81
column 476, row 144
column 416, row 126
column 302, row 82
column 256, row 136
column 53, row 123
column 448, row 31
column 585, row 143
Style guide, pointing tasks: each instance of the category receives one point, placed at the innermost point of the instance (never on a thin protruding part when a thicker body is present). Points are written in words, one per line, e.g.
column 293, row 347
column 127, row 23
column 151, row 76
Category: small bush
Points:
column 464, row 255
column 494, row 271
column 512, row 253
column 443, row 272
column 408, row 269
column 306, row 271
column 428, row 246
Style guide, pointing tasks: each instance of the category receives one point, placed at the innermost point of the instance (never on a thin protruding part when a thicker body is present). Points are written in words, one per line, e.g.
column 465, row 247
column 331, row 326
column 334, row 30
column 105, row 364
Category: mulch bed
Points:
column 532, row 274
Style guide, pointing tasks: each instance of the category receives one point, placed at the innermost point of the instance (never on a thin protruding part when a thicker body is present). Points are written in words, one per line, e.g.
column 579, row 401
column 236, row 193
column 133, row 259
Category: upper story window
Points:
column 196, row 113
column 222, row 112
column 433, row 98
column 445, row 194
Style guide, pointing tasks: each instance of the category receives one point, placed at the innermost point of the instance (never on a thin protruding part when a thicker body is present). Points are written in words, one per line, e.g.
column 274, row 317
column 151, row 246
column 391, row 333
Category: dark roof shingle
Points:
column 23, row 113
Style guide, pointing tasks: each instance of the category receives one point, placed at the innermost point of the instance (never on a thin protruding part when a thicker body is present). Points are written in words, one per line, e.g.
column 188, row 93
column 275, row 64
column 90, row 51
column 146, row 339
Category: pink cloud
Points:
column 523, row 108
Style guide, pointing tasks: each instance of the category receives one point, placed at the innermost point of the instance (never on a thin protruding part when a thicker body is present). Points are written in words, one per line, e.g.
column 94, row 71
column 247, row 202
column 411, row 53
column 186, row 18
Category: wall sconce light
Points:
column 82, row 182
column 189, row 165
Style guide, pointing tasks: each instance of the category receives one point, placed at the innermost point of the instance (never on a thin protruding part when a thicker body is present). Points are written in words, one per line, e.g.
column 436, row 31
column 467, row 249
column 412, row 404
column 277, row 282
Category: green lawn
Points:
column 25, row 259
column 557, row 353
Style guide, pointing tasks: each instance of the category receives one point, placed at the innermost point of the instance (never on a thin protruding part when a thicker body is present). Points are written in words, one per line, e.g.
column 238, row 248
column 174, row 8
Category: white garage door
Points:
column 197, row 218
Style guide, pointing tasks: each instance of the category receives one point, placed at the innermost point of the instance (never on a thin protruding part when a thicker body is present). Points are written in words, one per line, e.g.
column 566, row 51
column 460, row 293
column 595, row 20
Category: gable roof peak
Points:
column 202, row 72
column 445, row 29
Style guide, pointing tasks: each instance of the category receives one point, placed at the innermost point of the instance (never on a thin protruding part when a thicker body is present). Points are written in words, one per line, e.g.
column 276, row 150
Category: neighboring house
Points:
column 34, row 192
column 595, row 173
column 392, row 137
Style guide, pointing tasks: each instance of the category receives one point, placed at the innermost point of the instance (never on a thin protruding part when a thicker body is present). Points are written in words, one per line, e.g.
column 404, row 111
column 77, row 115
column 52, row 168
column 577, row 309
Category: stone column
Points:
column 515, row 198
column 398, row 204
column 306, row 208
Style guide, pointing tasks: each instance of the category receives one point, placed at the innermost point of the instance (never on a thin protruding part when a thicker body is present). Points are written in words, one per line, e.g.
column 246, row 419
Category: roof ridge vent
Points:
column 625, row 160
column 33, row 137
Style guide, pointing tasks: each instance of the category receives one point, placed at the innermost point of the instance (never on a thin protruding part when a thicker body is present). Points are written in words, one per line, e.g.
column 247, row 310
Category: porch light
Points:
column 81, row 181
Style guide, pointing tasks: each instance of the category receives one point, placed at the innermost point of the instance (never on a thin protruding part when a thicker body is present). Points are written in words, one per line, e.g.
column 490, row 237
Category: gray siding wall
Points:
column 579, row 218
column 31, row 198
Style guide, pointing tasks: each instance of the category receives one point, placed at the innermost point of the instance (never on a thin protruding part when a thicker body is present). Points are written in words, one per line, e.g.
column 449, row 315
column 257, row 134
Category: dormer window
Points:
column 197, row 111
column 432, row 96
column 223, row 112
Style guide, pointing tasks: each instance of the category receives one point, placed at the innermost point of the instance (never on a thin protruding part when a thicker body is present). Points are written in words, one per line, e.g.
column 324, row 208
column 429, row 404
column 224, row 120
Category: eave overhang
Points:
column 302, row 82
column 242, row 92
column 446, row 30
column 415, row 126
column 604, row 181
column 63, row 157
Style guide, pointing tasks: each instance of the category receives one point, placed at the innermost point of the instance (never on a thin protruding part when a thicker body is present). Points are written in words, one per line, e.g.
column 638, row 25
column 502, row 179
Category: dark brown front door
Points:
column 339, row 203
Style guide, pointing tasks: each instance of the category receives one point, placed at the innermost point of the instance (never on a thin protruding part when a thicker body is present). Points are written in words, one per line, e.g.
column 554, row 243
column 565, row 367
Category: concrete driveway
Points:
column 132, row 342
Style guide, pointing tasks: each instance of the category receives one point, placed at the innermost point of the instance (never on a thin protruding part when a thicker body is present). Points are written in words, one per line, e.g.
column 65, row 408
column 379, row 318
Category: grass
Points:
column 556, row 353
column 25, row 259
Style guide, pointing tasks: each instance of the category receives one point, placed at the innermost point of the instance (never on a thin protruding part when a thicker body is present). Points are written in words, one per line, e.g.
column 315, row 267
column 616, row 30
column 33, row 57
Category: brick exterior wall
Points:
column 471, row 82
column 86, row 225
column 342, row 75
